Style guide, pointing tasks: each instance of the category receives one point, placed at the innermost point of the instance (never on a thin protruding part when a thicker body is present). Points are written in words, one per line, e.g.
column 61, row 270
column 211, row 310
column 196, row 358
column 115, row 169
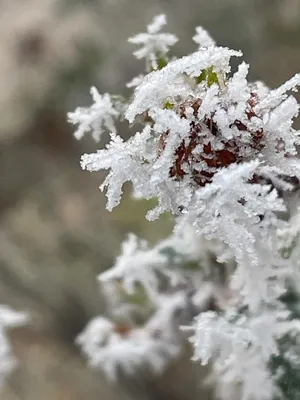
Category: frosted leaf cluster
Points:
column 8, row 319
column 203, row 38
column 114, row 348
column 143, row 331
column 154, row 44
column 241, row 346
column 143, row 265
column 219, row 153
column 102, row 114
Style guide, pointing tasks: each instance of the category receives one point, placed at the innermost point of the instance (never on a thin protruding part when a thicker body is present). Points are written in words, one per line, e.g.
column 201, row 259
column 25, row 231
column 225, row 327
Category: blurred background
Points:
column 55, row 235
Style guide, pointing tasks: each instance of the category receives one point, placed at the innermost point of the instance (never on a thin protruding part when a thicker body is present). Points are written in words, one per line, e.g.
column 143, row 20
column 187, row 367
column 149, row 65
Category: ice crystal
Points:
column 155, row 44
column 101, row 114
column 203, row 38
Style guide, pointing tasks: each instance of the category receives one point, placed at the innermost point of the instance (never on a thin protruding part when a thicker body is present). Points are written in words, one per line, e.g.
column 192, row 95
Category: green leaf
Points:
column 168, row 106
column 139, row 297
column 176, row 260
column 161, row 62
column 201, row 77
column 285, row 368
column 191, row 265
column 209, row 75
column 169, row 252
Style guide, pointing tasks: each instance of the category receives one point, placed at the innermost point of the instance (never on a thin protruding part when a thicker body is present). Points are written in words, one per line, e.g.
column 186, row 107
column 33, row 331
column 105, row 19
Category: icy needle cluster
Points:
column 219, row 153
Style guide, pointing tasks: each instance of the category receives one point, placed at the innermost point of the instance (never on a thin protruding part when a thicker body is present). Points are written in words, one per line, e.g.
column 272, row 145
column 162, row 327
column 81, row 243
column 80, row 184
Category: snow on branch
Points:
column 154, row 44
column 101, row 114
column 219, row 154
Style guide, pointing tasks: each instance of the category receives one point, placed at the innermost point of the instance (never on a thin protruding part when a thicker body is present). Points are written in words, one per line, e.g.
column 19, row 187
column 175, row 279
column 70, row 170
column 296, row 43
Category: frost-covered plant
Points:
column 219, row 153
column 8, row 319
